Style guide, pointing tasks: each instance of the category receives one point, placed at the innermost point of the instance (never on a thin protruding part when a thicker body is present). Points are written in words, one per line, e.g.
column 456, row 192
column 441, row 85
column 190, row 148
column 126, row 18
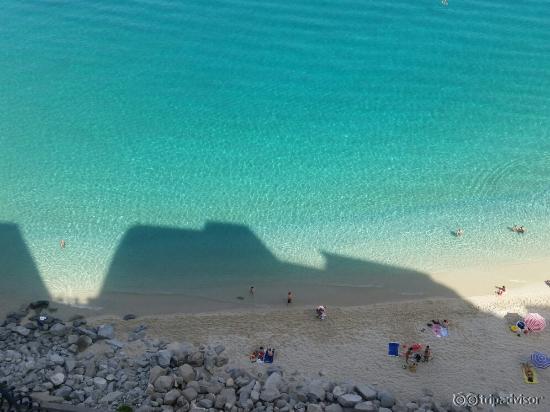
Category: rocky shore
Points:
column 71, row 362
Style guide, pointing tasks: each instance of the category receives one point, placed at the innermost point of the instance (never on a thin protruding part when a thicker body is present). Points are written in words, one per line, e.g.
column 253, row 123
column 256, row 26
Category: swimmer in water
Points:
column 62, row 244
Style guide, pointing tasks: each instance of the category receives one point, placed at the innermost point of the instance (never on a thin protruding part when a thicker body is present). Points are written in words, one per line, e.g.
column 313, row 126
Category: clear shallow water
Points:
column 365, row 129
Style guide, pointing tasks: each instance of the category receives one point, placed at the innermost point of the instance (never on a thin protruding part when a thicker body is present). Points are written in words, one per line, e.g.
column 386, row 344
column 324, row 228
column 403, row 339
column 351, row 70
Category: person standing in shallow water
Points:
column 251, row 291
column 289, row 297
column 62, row 244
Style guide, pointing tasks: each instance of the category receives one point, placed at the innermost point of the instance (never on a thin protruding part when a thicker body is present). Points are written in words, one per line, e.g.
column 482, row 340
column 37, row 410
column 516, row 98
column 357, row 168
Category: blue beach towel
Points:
column 393, row 349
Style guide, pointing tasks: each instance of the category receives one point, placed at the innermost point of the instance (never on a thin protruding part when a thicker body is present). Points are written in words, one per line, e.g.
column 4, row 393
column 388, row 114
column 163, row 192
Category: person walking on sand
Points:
column 289, row 297
column 427, row 353
column 62, row 244
column 500, row 290
column 408, row 354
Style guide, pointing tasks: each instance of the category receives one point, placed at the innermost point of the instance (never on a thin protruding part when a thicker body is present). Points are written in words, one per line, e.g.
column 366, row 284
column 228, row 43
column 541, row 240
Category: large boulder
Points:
column 334, row 408
column 163, row 357
column 387, row 400
column 106, row 332
column 100, row 383
column 273, row 382
column 367, row 392
column 349, row 400
column 164, row 383
column 58, row 329
column 180, row 350
column 269, row 395
column 189, row 393
column 171, row 396
column 83, row 342
column 23, row 331
column 366, row 406
column 196, row 359
column 315, row 392
column 186, row 372
column 227, row 397
column 155, row 372
column 57, row 378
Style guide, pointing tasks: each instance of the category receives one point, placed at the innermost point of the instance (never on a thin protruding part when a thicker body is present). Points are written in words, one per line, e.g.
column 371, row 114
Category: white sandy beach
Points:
column 480, row 355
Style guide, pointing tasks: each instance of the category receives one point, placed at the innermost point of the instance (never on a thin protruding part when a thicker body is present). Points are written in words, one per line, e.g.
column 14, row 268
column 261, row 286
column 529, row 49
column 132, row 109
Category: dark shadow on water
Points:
column 221, row 261
column 21, row 281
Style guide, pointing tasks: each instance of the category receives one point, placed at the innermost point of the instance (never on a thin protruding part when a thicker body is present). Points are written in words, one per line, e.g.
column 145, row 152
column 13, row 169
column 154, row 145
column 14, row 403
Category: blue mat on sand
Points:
column 393, row 349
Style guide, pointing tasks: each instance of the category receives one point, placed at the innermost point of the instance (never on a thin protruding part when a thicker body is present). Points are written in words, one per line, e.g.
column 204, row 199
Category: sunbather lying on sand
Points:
column 529, row 374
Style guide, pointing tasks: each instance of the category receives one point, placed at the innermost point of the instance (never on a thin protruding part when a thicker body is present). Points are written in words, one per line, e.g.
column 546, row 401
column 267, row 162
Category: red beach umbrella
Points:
column 534, row 322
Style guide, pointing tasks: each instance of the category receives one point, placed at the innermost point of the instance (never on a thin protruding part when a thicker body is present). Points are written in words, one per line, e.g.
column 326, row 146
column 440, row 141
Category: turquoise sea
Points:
column 364, row 129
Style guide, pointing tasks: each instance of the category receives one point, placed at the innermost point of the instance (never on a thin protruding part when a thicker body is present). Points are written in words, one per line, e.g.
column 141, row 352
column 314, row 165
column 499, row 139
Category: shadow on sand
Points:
column 18, row 272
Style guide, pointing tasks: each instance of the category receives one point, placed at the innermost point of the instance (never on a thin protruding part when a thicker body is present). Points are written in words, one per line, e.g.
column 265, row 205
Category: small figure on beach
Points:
column 321, row 312
column 528, row 372
column 251, row 291
column 500, row 290
column 427, row 353
column 519, row 229
column 408, row 354
column 62, row 244
column 459, row 232
column 289, row 297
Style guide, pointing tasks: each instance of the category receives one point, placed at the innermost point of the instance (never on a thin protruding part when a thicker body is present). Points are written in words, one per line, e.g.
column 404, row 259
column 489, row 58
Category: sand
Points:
column 480, row 354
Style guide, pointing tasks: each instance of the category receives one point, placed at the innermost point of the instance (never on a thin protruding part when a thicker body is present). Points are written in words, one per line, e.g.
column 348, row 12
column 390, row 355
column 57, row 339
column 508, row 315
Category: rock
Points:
column 187, row 373
column 100, row 382
column 367, row 392
column 39, row 305
column 129, row 316
column 384, row 410
column 219, row 349
column 190, row 394
column 111, row 397
column 43, row 397
column 57, row 378
column 313, row 407
column 163, row 357
column 70, row 364
column 23, row 331
column 387, row 400
column 349, row 400
column 269, row 395
column 58, row 360
column 90, row 368
column 333, row 408
column 227, row 396
column 171, row 397
column 72, row 339
column 315, row 393
column 206, row 403
column 164, row 383
column 115, row 343
column 338, row 391
column 155, row 372
column 83, row 342
column 273, row 382
column 196, row 359
column 106, row 332
column 366, row 406
column 180, row 351
column 58, row 329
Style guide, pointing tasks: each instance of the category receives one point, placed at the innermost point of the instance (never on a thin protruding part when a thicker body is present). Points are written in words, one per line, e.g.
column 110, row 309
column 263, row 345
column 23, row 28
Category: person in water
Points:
column 251, row 291
column 459, row 232
column 62, row 244
column 289, row 297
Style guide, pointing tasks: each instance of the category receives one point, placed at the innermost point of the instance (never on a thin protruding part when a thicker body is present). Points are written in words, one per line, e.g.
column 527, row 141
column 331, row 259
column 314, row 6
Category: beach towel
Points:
column 535, row 377
column 440, row 331
column 393, row 349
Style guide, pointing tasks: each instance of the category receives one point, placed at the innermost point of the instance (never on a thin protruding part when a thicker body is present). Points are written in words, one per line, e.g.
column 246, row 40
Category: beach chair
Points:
column 393, row 349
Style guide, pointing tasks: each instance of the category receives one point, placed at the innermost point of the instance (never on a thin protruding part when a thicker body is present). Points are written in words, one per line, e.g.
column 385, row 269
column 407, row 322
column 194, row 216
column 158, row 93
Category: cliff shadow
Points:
column 21, row 281
column 213, row 268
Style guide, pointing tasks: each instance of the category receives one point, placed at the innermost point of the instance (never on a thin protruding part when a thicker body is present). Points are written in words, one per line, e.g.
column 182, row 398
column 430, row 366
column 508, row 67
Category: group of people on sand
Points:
column 518, row 229
column 414, row 355
column 263, row 355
